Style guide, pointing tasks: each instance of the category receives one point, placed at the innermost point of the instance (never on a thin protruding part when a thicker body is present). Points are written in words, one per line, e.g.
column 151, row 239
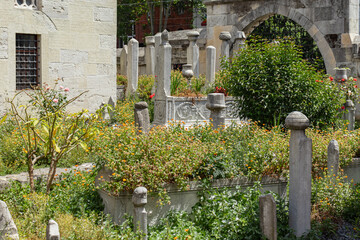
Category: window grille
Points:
column 27, row 61
column 29, row 4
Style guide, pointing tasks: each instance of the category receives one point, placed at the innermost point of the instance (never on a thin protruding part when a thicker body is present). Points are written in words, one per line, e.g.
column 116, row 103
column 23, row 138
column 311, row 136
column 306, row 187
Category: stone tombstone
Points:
column 216, row 104
column 225, row 45
column 123, row 60
column 239, row 41
column 52, row 231
column 193, row 52
column 142, row 119
column 157, row 44
column 188, row 73
column 210, row 65
column 132, row 67
column 333, row 157
column 163, row 80
column 108, row 109
column 300, row 173
column 341, row 73
column 139, row 200
column 7, row 226
column 268, row 221
column 350, row 114
column 150, row 56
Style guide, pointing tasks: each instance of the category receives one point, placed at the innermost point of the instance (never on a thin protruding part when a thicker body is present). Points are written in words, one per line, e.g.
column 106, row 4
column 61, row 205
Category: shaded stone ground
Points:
column 40, row 173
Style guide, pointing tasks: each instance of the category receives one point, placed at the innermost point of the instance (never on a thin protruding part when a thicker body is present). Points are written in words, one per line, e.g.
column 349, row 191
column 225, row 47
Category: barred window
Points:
column 27, row 61
column 30, row 4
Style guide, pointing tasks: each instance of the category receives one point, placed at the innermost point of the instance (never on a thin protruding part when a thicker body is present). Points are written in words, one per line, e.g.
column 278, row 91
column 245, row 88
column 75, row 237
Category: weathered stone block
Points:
column 7, row 225
column 103, row 14
column 4, row 43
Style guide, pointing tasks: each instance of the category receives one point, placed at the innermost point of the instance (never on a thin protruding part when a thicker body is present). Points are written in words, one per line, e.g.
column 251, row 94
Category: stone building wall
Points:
column 77, row 45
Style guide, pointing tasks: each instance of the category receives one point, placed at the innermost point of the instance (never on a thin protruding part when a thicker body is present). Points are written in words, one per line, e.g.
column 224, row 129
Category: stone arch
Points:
column 255, row 17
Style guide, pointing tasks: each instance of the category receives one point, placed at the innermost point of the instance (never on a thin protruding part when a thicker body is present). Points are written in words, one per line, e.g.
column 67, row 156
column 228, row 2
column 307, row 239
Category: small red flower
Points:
column 331, row 78
column 355, row 79
column 355, row 86
column 316, row 80
column 343, row 80
column 342, row 107
column 152, row 95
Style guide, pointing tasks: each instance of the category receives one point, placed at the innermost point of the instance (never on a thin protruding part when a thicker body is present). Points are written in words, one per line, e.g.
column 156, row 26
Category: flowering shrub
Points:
column 177, row 155
column 271, row 80
column 221, row 90
column 52, row 134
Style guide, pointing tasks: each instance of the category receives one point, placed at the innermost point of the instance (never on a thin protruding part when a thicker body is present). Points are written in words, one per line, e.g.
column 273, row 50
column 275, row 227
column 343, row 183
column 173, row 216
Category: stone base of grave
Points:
column 118, row 206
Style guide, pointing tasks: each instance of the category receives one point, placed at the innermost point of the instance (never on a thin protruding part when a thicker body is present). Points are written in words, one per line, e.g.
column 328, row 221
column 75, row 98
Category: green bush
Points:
column 271, row 80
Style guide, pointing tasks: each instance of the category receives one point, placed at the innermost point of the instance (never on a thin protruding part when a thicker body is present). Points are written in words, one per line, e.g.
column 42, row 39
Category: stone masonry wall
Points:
column 77, row 45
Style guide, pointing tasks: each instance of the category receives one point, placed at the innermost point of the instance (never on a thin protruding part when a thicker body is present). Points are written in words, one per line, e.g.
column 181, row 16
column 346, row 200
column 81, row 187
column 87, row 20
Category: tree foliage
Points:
column 271, row 80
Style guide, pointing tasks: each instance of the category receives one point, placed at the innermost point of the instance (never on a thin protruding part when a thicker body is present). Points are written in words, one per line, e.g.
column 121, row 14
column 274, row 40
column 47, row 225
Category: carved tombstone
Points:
column 142, row 120
column 139, row 200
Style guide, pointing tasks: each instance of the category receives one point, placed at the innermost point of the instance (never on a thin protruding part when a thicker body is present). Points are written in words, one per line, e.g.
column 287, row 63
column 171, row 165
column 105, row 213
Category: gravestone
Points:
column 210, row 65
column 139, row 200
column 333, row 157
column 163, row 80
column 123, row 60
column 300, row 173
column 142, row 120
column 216, row 104
column 7, row 225
column 150, row 57
column 239, row 41
column 193, row 52
column 225, row 44
column 52, row 231
column 268, row 222
column 132, row 67
column 350, row 114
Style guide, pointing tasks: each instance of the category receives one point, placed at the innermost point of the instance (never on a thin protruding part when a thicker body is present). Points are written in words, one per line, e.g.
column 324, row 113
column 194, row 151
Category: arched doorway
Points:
column 279, row 26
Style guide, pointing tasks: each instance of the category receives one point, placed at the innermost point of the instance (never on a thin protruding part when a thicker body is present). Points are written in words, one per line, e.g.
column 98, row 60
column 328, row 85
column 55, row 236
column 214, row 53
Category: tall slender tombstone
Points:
column 239, row 41
column 333, row 157
column 210, row 65
column 193, row 52
column 225, row 45
column 268, row 222
column 350, row 114
column 300, row 173
column 123, row 60
column 139, row 200
column 163, row 80
column 132, row 67
column 150, row 56
column 157, row 44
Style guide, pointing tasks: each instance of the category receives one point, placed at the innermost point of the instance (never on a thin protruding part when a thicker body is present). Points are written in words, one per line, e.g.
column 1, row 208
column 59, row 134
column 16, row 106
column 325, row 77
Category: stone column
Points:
column 7, row 225
column 123, row 60
column 132, row 67
column 350, row 114
column 225, row 45
column 268, row 222
column 239, row 41
column 52, row 231
column 139, row 200
column 300, row 173
column 210, row 65
column 193, row 52
column 142, row 120
column 333, row 157
column 216, row 104
column 150, row 57
column 163, row 80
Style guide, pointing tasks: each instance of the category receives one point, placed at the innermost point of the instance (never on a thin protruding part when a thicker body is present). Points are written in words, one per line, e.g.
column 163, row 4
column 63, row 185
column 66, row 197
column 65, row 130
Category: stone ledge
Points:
column 5, row 181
